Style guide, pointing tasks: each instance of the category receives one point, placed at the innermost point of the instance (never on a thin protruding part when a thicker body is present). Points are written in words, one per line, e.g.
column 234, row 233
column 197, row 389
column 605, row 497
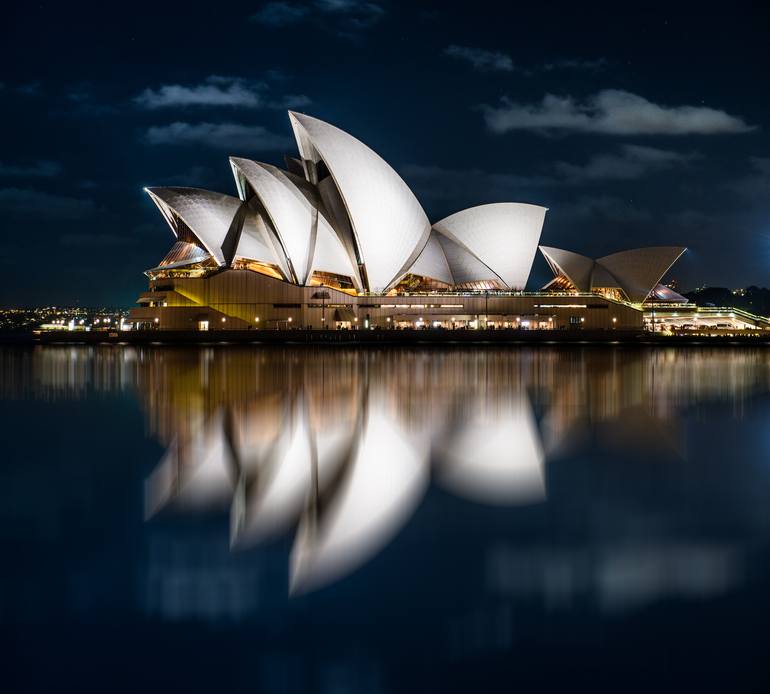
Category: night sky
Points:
column 636, row 125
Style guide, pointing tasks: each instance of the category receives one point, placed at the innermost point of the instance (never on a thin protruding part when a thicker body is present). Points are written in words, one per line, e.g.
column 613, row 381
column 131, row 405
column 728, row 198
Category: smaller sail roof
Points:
column 504, row 236
column 208, row 215
column 464, row 266
column 307, row 239
column 575, row 267
column 432, row 262
column 640, row 269
column 257, row 242
column 636, row 272
column 288, row 209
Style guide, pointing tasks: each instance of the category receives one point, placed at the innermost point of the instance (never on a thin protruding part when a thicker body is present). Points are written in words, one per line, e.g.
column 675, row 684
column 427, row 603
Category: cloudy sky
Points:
column 635, row 125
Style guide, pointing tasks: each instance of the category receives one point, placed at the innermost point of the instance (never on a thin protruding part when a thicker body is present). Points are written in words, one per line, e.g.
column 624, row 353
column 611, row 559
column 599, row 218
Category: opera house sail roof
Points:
column 340, row 216
column 633, row 275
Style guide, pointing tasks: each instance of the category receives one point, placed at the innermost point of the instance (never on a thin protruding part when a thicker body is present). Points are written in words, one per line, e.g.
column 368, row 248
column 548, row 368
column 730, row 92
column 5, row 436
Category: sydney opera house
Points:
column 337, row 240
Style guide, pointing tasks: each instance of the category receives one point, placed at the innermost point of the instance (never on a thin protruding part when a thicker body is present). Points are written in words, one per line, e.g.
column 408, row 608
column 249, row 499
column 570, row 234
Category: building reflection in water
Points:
column 342, row 446
column 337, row 448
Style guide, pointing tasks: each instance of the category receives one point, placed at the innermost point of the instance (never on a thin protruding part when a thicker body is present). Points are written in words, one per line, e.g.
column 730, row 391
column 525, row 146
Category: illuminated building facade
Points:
column 338, row 240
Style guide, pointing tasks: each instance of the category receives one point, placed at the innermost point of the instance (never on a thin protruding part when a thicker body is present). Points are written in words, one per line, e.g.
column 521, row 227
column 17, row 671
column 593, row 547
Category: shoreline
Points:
column 348, row 338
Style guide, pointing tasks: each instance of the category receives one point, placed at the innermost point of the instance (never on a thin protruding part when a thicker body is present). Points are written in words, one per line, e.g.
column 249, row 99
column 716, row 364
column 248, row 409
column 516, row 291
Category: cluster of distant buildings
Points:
column 20, row 320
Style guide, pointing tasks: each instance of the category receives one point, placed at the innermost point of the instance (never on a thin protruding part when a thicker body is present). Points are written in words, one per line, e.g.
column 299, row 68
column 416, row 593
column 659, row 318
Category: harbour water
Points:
column 385, row 520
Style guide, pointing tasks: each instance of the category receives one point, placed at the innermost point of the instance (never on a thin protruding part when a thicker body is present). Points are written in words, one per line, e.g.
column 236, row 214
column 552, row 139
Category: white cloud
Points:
column 354, row 14
column 40, row 169
column 232, row 136
column 480, row 58
column 611, row 112
column 219, row 91
column 630, row 162
column 214, row 91
column 485, row 60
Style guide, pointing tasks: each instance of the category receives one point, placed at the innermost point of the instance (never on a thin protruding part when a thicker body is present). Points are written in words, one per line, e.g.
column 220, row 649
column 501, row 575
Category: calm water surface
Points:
column 299, row 520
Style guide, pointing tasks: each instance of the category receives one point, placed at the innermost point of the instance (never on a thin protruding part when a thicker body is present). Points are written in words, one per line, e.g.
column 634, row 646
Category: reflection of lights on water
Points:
column 328, row 452
column 386, row 479
column 309, row 450
column 496, row 457
column 349, row 489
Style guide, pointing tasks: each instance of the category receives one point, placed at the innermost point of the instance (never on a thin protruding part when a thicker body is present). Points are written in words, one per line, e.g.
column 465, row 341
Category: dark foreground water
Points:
column 295, row 520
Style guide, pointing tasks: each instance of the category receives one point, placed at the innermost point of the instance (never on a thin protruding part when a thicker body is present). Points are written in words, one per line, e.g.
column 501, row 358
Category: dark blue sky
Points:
column 636, row 125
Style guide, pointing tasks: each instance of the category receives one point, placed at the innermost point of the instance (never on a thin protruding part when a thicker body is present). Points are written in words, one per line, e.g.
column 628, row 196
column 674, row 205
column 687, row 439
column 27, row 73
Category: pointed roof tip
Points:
column 238, row 161
column 299, row 117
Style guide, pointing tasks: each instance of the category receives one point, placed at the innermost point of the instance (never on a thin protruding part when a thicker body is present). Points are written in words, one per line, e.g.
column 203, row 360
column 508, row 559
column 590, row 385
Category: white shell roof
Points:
column 464, row 266
column 329, row 254
column 575, row 267
column 432, row 262
column 295, row 219
column 207, row 214
column 637, row 272
column 601, row 277
column 504, row 236
column 640, row 270
column 288, row 209
column 389, row 224
column 256, row 243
